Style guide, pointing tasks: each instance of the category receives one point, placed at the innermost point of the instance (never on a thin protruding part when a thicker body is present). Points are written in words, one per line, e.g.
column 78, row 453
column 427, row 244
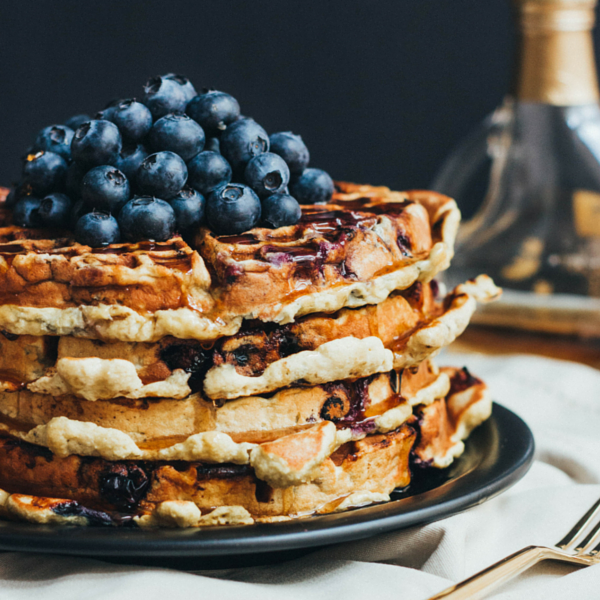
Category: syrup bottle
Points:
column 537, row 232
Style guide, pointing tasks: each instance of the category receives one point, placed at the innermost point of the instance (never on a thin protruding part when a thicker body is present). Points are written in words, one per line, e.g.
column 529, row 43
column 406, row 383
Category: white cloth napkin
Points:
column 561, row 403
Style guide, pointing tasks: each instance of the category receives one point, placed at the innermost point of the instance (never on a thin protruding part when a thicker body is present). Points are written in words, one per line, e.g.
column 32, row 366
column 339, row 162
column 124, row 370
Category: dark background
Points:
column 379, row 90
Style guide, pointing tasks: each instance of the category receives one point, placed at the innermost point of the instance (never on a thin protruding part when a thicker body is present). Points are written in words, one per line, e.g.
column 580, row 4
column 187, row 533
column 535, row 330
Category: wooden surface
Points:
column 490, row 340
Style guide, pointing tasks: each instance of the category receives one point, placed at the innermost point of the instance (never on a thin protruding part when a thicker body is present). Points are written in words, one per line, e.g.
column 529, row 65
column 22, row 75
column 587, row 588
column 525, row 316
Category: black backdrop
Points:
column 379, row 90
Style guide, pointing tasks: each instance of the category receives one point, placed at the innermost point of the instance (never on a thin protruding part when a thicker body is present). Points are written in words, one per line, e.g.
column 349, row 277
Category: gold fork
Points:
column 480, row 584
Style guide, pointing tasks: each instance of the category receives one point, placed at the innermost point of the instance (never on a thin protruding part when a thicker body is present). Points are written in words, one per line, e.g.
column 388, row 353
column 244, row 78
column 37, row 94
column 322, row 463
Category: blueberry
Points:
column 280, row 210
column 76, row 121
column 133, row 119
column 292, row 149
column 214, row 111
column 22, row 190
column 129, row 161
column 232, row 209
column 97, row 229
column 106, row 114
column 55, row 138
column 55, row 211
column 314, row 186
column 162, row 175
column 212, row 145
column 189, row 209
column 80, row 209
column 177, row 133
column 105, row 188
column 208, row 171
column 267, row 174
column 75, row 173
column 25, row 213
column 147, row 219
column 96, row 143
column 163, row 96
column 44, row 171
column 241, row 142
column 186, row 85
column 108, row 111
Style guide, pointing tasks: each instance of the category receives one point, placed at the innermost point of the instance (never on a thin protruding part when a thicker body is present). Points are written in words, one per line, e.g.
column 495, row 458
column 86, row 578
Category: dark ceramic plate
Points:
column 497, row 455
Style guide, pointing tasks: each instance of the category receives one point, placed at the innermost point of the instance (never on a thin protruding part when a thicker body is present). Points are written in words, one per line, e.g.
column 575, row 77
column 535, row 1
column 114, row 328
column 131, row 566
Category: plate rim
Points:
column 512, row 463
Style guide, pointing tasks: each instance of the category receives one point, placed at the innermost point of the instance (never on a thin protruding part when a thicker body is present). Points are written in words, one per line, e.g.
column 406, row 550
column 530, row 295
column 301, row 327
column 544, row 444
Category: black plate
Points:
column 497, row 455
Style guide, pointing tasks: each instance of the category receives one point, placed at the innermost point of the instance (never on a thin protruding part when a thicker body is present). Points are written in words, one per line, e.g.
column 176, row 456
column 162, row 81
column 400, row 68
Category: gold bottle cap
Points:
column 568, row 3
column 556, row 15
column 557, row 63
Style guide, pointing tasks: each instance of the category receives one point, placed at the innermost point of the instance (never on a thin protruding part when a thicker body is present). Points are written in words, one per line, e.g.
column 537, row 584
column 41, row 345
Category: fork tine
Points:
column 589, row 539
column 579, row 527
column 595, row 551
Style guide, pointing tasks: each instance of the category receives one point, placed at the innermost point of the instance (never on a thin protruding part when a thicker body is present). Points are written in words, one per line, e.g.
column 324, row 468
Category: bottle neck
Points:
column 556, row 63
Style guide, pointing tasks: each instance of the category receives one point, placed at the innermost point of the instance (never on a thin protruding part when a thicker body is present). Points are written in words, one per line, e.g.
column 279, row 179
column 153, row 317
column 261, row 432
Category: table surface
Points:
column 491, row 340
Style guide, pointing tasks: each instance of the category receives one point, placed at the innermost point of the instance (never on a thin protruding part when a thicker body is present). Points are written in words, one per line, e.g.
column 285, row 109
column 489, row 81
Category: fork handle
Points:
column 480, row 584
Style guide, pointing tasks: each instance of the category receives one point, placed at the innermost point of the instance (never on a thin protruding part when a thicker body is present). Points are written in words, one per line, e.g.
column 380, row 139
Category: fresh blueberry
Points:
column 212, row 145
column 186, row 85
column 232, row 209
column 147, row 219
column 106, row 114
column 44, row 171
column 133, row 119
column 242, row 141
column 55, row 138
column 97, row 229
column 162, row 175
column 292, row 149
column 76, row 121
column 208, row 171
column 267, row 174
column 108, row 111
column 25, row 213
column 280, row 210
column 21, row 190
column 96, row 143
column 314, row 186
column 177, row 133
column 129, row 161
column 214, row 111
column 163, row 96
column 80, row 209
column 105, row 188
column 55, row 211
column 189, row 209
column 75, row 173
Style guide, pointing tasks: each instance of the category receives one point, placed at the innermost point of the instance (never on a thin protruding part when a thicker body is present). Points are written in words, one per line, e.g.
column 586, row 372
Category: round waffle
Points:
column 316, row 349
column 42, row 487
column 252, row 419
column 353, row 252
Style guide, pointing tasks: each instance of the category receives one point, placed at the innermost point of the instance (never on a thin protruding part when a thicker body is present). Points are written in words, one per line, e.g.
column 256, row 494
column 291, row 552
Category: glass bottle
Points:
column 537, row 232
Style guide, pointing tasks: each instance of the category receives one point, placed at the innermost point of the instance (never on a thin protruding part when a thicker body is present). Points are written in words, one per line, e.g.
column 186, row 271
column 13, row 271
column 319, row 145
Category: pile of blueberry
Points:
column 177, row 159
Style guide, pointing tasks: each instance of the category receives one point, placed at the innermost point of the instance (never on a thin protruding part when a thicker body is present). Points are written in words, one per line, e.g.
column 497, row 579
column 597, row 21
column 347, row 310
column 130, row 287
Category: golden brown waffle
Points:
column 410, row 323
column 353, row 252
column 377, row 464
column 23, row 359
column 154, row 423
column 357, row 473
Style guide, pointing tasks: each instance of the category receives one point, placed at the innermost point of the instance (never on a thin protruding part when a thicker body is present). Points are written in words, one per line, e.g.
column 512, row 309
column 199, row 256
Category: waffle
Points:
column 43, row 487
column 233, row 379
column 155, row 423
column 411, row 324
column 367, row 243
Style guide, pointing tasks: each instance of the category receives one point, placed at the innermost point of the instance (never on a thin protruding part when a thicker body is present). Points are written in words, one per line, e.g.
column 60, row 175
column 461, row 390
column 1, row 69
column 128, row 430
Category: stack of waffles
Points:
column 233, row 379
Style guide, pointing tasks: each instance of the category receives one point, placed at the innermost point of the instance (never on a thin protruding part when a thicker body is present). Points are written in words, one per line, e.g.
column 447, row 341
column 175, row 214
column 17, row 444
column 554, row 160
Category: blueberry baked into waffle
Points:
column 198, row 329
